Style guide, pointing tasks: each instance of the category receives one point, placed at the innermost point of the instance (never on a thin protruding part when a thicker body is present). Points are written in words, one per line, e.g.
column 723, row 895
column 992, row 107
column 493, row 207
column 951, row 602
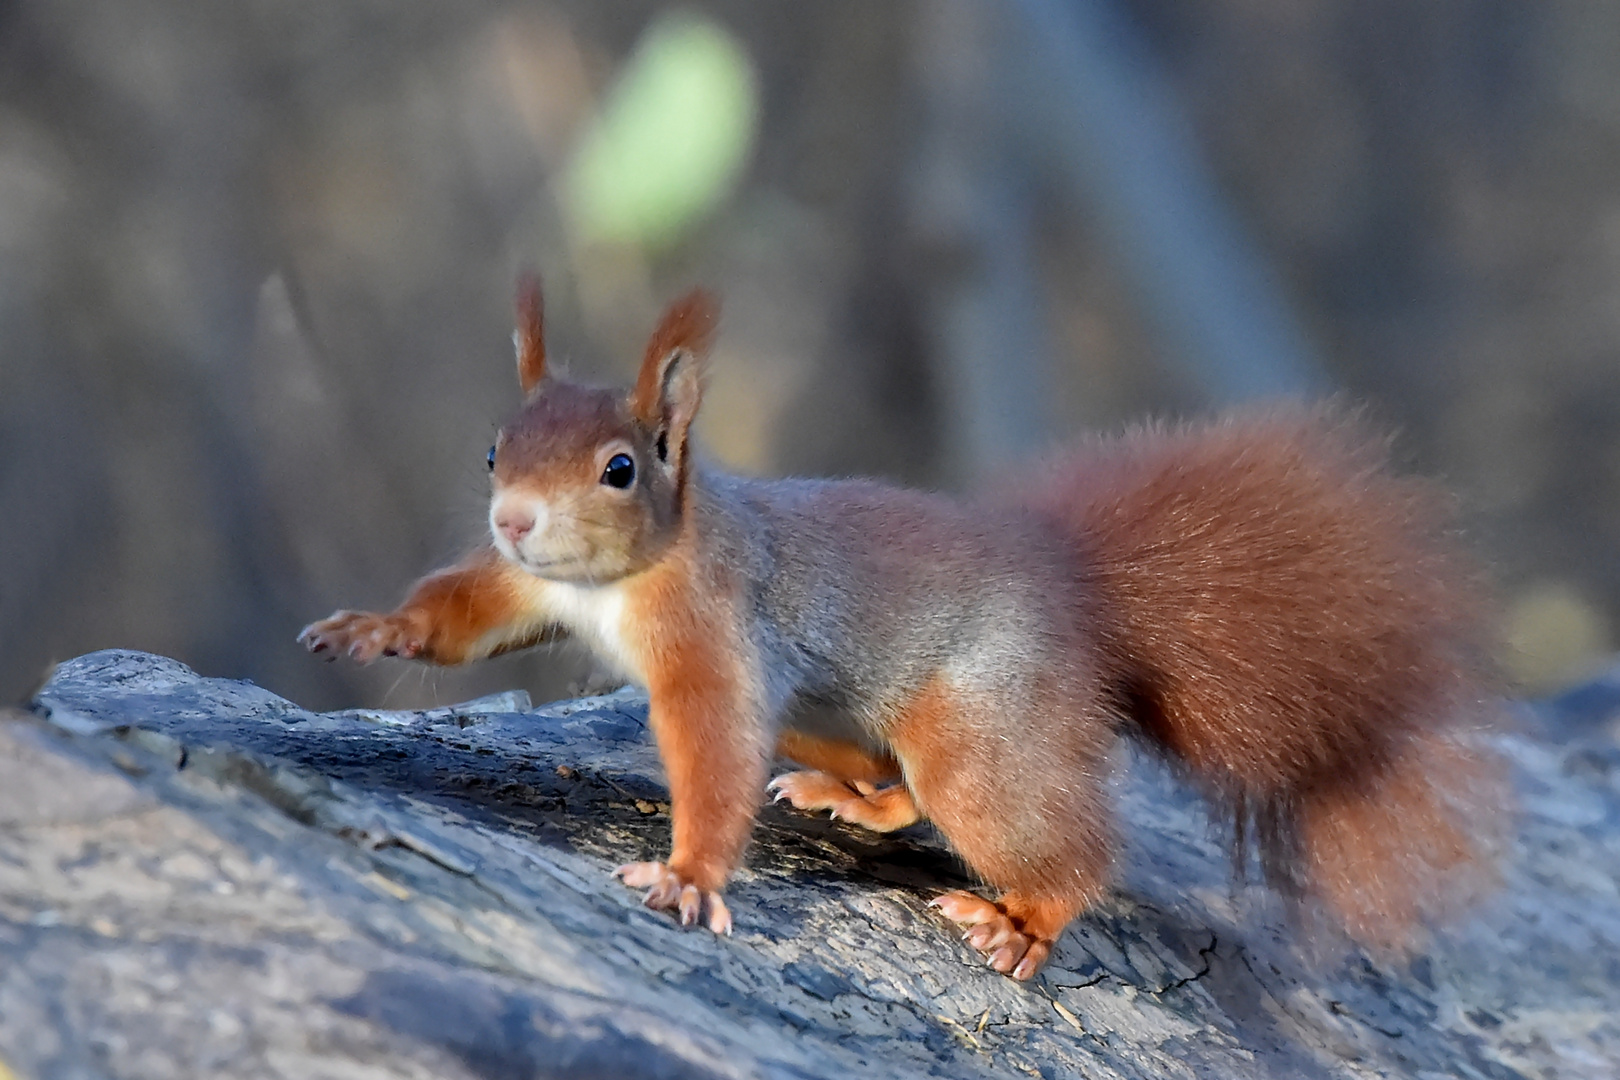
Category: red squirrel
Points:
column 1259, row 599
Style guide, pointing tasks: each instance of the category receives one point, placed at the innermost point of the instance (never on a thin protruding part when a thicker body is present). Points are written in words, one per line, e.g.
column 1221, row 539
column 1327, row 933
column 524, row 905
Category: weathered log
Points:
column 198, row 878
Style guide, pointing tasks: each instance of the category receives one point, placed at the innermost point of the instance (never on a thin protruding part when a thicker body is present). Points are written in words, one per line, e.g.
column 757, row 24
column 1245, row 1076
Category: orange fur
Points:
column 843, row 777
column 470, row 611
column 846, row 761
column 530, row 332
column 1057, row 863
column 859, row 802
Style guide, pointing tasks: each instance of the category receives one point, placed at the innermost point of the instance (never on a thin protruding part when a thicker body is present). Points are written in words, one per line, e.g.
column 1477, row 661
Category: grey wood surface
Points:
column 198, row 878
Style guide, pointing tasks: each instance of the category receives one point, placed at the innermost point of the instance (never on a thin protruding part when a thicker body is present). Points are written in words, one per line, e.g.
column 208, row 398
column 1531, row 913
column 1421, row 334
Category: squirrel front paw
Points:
column 365, row 636
column 860, row 803
column 666, row 891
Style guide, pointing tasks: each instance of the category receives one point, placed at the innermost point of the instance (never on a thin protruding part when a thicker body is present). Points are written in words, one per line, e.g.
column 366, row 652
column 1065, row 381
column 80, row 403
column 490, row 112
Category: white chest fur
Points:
column 595, row 614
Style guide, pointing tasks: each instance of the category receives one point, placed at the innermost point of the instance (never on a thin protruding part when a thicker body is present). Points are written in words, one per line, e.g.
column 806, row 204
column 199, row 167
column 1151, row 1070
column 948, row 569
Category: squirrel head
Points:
column 589, row 484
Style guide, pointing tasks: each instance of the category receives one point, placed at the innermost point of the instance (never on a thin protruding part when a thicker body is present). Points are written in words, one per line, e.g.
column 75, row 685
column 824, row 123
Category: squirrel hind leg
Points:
column 844, row 760
column 1030, row 816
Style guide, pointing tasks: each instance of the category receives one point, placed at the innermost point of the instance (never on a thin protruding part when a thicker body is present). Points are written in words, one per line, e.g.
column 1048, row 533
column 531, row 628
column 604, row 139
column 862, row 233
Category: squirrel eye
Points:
column 491, row 459
column 620, row 471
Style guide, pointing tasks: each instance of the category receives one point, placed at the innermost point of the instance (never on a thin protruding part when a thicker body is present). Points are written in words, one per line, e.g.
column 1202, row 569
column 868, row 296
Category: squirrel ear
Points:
column 669, row 386
column 530, row 342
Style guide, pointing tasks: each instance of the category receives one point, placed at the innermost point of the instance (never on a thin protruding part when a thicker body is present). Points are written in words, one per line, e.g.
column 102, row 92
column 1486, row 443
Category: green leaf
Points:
column 671, row 141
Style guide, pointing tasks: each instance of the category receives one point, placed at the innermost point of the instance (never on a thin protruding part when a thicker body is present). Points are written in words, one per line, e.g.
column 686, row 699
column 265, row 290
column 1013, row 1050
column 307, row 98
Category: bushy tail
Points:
column 1290, row 623
column 1415, row 841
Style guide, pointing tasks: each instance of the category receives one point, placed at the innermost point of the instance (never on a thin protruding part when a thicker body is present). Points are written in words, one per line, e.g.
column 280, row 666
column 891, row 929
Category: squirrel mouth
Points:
column 542, row 568
column 548, row 568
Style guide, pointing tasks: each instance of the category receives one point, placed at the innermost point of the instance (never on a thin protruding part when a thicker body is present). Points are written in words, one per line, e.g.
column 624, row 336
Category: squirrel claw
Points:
column 363, row 636
column 992, row 933
column 666, row 892
column 1032, row 961
column 879, row 810
column 965, row 908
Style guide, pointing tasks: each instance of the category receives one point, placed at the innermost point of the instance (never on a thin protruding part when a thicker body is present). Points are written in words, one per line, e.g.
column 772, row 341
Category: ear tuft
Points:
column 687, row 327
column 669, row 386
column 529, row 337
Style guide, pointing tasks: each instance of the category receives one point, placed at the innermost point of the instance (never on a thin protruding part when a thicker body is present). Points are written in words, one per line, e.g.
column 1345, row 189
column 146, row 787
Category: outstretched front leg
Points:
column 844, row 778
column 482, row 606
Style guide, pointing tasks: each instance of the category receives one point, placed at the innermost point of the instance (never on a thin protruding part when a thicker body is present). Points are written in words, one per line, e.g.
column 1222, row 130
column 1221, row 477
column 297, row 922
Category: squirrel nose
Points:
column 514, row 524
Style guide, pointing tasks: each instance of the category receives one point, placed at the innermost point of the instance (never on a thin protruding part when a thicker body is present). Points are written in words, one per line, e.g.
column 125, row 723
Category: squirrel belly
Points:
column 1261, row 600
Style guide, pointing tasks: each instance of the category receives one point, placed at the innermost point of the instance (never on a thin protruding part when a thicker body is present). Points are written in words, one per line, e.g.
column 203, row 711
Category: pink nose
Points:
column 514, row 524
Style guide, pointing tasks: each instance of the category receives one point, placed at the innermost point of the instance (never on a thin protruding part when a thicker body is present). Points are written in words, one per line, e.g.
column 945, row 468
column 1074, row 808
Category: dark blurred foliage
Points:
column 256, row 262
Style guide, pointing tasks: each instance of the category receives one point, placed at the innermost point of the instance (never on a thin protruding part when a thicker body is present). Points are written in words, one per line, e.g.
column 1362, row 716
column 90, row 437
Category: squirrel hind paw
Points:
column 811, row 790
column 1011, row 946
column 667, row 892
column 877, row 809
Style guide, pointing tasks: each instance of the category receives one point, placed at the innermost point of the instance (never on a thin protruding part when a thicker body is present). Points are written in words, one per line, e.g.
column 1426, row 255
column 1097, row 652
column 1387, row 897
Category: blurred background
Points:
column 256, row 262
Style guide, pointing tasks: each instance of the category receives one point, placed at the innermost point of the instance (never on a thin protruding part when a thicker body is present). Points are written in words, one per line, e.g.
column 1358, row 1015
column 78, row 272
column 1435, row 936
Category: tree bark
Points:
column 198, row 878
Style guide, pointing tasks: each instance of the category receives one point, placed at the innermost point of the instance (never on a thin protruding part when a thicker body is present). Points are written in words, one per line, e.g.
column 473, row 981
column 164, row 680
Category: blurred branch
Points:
column 1096, row 107
column 971, row 220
